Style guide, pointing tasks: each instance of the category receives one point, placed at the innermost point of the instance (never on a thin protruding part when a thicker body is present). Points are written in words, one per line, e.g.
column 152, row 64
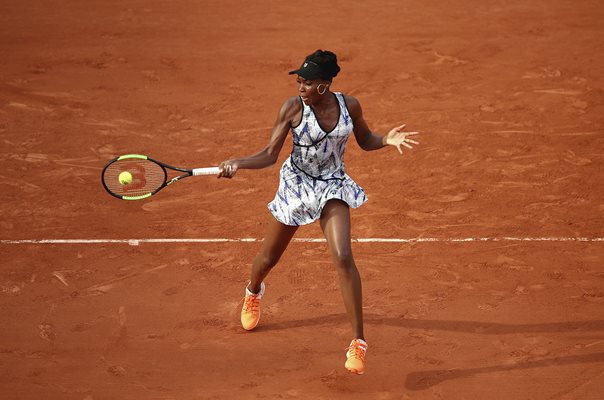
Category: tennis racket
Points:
column 137, row 177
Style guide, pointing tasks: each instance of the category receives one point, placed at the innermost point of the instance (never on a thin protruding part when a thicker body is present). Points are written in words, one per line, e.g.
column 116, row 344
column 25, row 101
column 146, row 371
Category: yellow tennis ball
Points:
column 125, row 178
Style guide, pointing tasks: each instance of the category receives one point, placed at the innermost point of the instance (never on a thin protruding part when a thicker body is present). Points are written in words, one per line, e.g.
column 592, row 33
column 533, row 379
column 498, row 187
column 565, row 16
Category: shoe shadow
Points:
column 477, row 327
column 422, row 380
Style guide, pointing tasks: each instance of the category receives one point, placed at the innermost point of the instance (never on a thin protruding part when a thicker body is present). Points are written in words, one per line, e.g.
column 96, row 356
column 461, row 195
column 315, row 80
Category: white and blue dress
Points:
column 314, row 172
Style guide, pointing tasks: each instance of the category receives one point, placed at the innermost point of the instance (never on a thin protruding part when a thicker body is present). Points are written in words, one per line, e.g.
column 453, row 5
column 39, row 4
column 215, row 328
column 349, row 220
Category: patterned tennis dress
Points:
column 314, row 172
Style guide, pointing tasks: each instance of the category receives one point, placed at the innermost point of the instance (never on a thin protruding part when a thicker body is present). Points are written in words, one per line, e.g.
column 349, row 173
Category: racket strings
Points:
column 147, row 177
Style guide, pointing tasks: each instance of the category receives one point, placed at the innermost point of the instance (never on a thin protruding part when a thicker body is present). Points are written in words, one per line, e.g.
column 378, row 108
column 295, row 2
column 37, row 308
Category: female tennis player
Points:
column 313, row 185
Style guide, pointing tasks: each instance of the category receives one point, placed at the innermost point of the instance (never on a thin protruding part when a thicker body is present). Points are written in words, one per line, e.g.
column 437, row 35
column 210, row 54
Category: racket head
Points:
column 148, row 177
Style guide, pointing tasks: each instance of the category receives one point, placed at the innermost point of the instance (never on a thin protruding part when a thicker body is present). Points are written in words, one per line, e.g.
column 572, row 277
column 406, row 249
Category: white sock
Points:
column 258, row 295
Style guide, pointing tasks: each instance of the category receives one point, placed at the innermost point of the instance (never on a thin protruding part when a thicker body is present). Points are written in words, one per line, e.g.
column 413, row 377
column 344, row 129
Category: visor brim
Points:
column 310, row 71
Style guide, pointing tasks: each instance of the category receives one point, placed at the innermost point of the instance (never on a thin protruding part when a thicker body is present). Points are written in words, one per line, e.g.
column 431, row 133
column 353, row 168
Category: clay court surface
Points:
column 509, row 98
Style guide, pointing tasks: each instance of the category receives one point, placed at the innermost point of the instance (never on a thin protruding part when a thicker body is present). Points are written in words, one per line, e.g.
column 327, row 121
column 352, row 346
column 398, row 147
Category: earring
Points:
column 324, row 90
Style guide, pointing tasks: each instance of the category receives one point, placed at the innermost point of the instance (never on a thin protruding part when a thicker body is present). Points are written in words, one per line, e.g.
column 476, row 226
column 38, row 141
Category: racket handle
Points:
column 206, row 171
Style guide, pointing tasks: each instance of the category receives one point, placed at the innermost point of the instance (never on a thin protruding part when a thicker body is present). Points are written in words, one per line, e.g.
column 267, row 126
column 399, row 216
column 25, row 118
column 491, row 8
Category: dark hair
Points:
column 327, row 61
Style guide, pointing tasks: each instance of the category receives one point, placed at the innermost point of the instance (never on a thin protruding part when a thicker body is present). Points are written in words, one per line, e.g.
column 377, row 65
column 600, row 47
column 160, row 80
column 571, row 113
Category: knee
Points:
column 343, row 259
column 267, row 261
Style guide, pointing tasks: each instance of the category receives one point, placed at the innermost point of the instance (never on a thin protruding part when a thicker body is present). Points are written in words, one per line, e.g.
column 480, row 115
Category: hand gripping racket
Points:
column 136, row 177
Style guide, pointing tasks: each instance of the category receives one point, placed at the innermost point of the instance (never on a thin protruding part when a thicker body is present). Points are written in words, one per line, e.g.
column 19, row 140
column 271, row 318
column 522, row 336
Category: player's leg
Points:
column 335, row 223
column 275, row 242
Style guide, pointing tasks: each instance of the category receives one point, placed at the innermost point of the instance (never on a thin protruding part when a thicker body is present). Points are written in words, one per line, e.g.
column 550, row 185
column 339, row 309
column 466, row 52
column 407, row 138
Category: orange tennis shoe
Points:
column 250, row 312
column 355, row 356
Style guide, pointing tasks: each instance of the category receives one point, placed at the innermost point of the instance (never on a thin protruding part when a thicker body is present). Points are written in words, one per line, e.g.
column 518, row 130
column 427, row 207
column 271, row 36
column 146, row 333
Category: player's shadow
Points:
column 425, row 379
column 488, row 328
column 477, row 327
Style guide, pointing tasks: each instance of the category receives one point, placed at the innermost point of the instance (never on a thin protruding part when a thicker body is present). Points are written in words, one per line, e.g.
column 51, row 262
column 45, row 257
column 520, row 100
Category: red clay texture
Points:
column 508, row 97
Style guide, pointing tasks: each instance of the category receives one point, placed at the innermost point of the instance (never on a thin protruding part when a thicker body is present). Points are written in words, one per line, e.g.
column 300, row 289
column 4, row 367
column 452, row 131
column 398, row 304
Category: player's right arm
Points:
column 266, row 157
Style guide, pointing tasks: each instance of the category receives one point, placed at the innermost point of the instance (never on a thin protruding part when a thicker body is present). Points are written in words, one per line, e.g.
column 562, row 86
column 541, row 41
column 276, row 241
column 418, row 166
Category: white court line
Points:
column 136, row 242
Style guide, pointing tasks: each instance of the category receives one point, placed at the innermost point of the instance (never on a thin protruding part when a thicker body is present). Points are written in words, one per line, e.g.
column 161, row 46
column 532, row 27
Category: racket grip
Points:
column 206, row 171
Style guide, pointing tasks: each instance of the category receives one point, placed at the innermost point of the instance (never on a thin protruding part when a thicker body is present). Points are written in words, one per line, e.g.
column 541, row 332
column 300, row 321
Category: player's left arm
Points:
column 368, row 140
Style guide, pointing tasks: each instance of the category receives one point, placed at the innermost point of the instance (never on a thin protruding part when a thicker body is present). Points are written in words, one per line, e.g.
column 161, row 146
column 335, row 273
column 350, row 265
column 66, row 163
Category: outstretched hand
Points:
column 396, row 137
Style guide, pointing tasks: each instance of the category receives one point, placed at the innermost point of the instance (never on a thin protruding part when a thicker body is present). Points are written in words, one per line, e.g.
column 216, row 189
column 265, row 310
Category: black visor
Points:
column 308, row 70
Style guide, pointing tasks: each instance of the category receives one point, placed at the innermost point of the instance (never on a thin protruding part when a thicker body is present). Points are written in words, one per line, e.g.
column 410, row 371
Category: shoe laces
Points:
column 356, row 350
column 251, row 304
